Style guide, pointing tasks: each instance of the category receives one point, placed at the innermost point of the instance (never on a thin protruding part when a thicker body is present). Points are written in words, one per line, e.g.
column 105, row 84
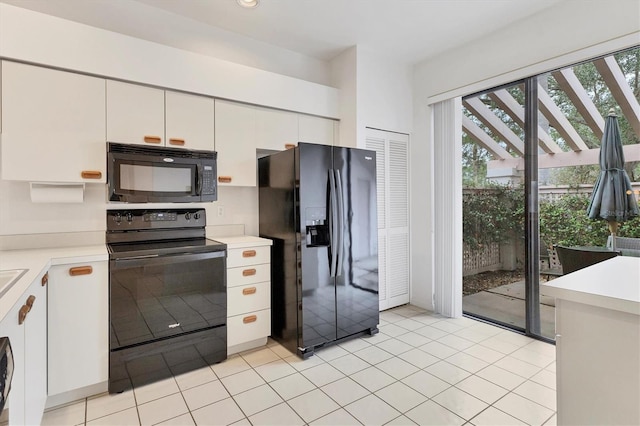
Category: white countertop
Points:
column 612, row 284
column 38, row 260
column 243, row 241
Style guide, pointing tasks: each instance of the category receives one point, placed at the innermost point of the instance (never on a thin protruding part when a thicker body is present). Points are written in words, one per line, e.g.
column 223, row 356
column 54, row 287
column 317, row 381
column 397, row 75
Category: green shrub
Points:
column 492, row 214
column 496, row 214
column 565, row 222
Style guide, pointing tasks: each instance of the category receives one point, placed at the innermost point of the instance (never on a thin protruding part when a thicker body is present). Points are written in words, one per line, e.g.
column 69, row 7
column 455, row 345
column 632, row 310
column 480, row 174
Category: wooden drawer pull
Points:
column 80, row 270
column 91, row 174
column 224, row 179
column 289, row 145
column 248, row 272
column 248, row 291
column 249, row 253
column 174, row 141
column 249, row 319
column 22, row 314
column 45, row 279
column 30, row 300
column 152, row 139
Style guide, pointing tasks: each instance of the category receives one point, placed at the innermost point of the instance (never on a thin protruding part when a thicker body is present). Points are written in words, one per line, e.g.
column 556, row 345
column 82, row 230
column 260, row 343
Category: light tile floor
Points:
column 420, row 369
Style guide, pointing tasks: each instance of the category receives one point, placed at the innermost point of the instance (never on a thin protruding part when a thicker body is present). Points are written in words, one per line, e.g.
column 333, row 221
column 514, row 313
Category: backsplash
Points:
column 25, row 223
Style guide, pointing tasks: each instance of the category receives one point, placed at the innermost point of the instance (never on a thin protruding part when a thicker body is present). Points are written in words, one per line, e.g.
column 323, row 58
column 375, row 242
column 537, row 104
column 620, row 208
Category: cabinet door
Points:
column 9, row 327
column 315, row 130
column 276, row 130
column 135, row 114
column 53, row 125
column 236, row 144
column 36, row 354
column 78, row 313
column 189, row 121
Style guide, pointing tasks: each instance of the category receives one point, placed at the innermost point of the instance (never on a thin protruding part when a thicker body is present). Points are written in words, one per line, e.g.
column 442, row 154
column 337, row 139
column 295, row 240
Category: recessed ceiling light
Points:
column 249, row 4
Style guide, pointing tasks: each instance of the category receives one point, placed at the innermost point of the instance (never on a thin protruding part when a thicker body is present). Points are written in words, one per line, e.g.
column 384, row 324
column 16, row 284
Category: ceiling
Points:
column 409, row 30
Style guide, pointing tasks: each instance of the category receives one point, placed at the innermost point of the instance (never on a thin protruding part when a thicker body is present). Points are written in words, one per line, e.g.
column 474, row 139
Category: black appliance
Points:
column 167, row 295
column 140, row 174
column 6, row 372
column 318, row 205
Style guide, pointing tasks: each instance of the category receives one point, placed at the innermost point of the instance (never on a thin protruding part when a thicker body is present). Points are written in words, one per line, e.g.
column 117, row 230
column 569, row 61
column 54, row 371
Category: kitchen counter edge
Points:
column 37, row 261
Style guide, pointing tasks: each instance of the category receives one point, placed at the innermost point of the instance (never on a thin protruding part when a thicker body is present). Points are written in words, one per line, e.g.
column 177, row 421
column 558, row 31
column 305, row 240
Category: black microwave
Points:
column 140, row 174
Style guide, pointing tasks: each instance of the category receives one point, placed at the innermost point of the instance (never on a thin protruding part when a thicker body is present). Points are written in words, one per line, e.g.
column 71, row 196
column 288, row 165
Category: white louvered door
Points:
column 392, row 154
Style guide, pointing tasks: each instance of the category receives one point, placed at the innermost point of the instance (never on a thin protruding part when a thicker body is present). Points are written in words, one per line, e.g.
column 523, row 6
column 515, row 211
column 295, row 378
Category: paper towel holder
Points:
column 50, row 192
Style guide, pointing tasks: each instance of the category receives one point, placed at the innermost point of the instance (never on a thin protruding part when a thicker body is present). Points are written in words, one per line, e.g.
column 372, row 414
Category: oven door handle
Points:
column 132, row 262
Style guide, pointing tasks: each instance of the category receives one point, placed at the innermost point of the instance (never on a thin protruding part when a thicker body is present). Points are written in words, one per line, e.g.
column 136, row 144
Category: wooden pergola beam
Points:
column 559, row 121
column 497, row 126
column 480, row 136
column 516, row 111
column 622, row 93
column 570, row 84
column 566, row 159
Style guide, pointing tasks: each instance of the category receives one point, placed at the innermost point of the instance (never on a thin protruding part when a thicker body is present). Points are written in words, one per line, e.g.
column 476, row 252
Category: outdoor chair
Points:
column 626, row 246
column 576, row 258
column 547, row 266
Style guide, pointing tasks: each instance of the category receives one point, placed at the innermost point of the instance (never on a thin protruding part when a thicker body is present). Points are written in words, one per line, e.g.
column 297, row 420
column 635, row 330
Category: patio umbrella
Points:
column 612, row 198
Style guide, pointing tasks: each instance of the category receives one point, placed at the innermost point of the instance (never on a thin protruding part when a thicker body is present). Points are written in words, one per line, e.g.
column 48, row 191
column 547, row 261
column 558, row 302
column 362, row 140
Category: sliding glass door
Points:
column 530, row 160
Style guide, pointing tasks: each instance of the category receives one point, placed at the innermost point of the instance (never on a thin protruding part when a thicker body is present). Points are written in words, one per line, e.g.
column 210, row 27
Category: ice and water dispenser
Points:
column 317, row 227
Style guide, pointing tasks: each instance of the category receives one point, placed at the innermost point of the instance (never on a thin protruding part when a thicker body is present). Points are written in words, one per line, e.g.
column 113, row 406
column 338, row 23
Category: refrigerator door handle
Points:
column 333, row 219
column 340, row 223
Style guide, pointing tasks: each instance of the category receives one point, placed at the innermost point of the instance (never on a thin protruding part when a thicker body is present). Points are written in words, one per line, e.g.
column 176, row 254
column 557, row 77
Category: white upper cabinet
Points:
column 135, row 114
column 236, row 144
column 53, row 126
column 276, row 130
column 147, row 116
column 189, row 121
column 315, row 130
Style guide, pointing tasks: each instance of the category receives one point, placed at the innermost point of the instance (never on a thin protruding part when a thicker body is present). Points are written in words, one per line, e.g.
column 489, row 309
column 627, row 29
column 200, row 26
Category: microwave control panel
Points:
column 208, row 180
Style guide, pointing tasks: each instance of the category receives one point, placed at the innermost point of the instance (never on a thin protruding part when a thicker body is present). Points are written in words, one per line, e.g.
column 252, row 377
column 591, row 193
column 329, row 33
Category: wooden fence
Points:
column 485, row 258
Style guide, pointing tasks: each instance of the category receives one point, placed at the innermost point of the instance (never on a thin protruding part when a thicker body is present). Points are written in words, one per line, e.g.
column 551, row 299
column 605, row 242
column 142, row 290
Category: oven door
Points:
column 155, row 297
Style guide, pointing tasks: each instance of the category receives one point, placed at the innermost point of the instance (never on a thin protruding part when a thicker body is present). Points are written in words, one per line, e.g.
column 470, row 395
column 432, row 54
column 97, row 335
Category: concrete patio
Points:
column 506, row 304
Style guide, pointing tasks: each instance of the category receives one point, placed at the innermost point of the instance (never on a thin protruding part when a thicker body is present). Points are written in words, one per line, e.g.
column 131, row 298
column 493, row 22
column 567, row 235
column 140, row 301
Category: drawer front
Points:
column 248, row 275
column 248, row 256
column 248, row 298
column 247, row 327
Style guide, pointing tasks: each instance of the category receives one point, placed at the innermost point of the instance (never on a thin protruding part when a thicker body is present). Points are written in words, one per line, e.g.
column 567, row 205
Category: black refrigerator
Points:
column 318, row 204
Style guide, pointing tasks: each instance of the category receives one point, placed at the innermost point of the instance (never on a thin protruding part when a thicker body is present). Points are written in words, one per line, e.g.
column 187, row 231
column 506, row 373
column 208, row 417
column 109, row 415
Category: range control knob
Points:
column 117, row 218
column 187, row 216
column 196, row 216
column 129, row 217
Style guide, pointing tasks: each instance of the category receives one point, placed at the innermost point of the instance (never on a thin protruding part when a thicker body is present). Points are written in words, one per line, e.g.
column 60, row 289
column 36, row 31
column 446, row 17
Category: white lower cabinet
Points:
column 248, row 292
column 78, row 331
column 26, row 327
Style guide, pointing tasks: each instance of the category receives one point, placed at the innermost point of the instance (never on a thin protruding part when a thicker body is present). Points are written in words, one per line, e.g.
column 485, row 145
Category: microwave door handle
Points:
column 199, row 178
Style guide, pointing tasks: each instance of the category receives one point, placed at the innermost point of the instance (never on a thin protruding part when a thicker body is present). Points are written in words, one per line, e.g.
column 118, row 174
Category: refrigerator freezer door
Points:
column 317, row 291
column 357, row 307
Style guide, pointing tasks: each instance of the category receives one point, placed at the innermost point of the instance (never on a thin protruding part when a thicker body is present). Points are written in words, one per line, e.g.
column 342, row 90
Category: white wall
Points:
column 148, row 22
column 18, row 215
column 385, row 93
column 42, row 39
column 571, row 31
column 343, row 76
